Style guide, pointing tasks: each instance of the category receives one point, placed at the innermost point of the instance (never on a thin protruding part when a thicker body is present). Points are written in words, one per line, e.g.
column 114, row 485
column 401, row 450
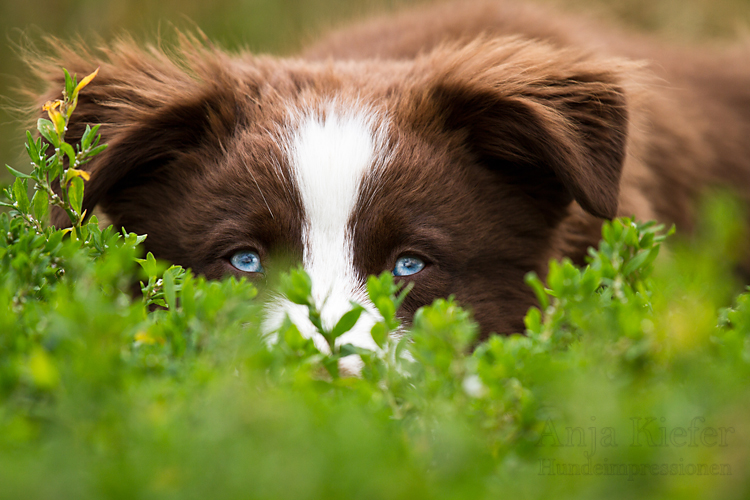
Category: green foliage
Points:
column 633, row 366
column 51, row 169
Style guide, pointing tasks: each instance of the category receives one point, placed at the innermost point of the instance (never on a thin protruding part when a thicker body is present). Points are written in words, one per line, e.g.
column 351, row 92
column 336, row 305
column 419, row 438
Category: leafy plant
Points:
column 49, row 169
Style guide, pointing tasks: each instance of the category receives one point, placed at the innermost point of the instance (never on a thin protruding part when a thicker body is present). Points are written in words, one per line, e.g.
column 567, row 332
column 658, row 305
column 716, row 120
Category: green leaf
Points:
column 90, row 138
column 347, row 321
column 639, row 260
column 150, row 265
column 133, row 239
column 33, row 149
column 75, row 194
column 536, row 284
column 292, row 336
column 555, row 277
column 349, row 350
column 297, row 286
column 402, row 295
column 55, row 168
column 88, row 135
column 386, row 308
column 21, row 195
column 47, row 129
column 187, row 296
column 68, row 150
column 16, row 173
column 40, row 204
column 170, row 293
column 379, row 333
column 70, row 83
column 381, row 286
column 331, row 364
column 533, row 320
column 314, row 316
column 97, row 150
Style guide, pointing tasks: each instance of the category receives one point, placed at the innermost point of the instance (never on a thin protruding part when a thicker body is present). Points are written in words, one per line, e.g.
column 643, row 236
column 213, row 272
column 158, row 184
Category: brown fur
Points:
column 516, row 132
column 688, row 108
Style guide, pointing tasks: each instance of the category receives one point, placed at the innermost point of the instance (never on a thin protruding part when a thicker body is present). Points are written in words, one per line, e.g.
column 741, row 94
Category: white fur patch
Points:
column 331, row 154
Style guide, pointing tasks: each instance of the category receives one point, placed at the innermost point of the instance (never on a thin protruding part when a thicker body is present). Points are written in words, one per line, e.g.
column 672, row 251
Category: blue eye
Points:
column 247, row 261
column 406, row 266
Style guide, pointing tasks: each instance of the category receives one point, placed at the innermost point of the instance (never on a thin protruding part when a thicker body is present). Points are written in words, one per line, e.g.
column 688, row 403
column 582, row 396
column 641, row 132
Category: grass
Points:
column 631, row 379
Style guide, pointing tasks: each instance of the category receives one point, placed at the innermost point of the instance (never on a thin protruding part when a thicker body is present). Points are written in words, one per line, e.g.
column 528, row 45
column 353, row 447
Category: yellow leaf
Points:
column 42, row 369
column 57, row 120
column 85, row 82
column 74, row 172
column 146, row 338
column 49, row 105
column 82, row 173
column 54, row 115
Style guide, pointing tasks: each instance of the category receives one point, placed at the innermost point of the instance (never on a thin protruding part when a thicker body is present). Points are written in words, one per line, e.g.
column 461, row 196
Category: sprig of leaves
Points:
column 385, row 294
column 61, row 167
column 163, row 283
column 616, row 278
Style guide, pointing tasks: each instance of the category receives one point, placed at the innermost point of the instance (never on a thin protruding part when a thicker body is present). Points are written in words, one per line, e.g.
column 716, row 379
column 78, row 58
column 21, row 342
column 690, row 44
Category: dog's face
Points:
column 453, row 171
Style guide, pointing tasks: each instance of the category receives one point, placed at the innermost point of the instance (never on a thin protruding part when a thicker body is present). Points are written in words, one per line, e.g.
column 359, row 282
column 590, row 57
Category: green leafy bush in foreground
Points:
column 631, row 378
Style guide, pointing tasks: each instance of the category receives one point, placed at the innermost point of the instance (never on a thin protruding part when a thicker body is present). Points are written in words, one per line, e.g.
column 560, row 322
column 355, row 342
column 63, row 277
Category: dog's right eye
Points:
column 247, row 261
column 408, row 265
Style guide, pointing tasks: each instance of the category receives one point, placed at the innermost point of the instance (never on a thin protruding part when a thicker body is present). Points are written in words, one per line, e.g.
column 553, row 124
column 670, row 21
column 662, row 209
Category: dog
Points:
column 458, row 146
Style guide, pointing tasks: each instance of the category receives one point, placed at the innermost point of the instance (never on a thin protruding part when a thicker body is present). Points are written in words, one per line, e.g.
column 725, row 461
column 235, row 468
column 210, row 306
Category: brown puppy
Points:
column 460, row 147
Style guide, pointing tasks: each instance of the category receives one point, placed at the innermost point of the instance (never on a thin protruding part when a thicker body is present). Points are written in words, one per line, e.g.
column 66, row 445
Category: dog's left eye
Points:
column 247, row 261
column 408, row 265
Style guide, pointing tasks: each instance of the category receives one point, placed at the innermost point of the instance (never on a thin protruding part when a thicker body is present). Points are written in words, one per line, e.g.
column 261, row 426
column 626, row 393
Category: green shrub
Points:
column 630, row 379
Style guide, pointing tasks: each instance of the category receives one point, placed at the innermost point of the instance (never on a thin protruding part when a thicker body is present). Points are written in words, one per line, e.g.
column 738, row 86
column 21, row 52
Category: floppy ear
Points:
column 555, row 121
column 153, row 109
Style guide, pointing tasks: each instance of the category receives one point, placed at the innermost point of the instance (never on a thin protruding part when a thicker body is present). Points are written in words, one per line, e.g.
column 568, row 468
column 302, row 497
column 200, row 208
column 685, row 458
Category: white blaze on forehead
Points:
column 332, row 154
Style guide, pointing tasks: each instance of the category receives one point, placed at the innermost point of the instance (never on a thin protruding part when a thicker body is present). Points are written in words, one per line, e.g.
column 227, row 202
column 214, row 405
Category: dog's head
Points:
column 453, row 170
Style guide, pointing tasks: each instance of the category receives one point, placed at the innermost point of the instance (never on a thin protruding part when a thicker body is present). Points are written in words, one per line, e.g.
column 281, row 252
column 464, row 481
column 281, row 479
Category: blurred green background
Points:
column 281, row 26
